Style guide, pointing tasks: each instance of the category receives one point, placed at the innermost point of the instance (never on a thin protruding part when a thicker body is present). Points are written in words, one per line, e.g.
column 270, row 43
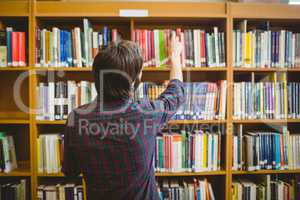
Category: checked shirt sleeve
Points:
column 170, row 100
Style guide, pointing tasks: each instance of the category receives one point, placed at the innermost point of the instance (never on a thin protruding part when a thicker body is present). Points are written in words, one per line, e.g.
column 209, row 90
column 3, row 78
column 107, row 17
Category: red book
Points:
column 152, row 48
column 149, row 47
column 114, row 34
column 22, row 51
column 15, row 48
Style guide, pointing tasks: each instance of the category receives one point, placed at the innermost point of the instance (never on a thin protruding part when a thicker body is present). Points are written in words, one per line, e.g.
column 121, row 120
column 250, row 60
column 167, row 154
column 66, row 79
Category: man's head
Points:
column 120, row 65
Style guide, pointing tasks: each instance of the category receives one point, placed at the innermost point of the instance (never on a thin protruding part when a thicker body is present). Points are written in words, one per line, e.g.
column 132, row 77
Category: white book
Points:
column 78, row 47
column 216, row 38
column 156, row 45
column 51, row 100
column 216, row 149
column 90, row 40
column 234, row 49
column 209, row 155
column 43, row 48
column 100, row 41
column 86, row 41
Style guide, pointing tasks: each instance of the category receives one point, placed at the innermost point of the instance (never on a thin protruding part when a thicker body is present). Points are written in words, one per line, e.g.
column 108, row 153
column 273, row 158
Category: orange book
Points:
column 22, row 49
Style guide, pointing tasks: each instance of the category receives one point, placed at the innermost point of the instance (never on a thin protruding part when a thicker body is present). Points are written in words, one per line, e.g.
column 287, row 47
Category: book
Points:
column 266, row 100
column 201, row 48
column 3, row 46
column 267, row 188
column 49, row 153
column 75, row 47
column 8, row 153
column 55, row 100
column 256, row 150
column 195, row 151
column 261, row 47
column 12, row 47
column 204, row 100
column 68, row 191
column 13, row 190
column 185, row 190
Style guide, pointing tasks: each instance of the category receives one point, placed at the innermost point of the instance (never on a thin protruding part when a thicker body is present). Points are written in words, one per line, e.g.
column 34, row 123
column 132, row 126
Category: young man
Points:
column 111, row 141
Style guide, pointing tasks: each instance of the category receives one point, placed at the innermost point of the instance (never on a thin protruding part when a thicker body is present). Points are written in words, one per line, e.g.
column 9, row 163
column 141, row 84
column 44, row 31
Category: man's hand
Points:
column 176, row 49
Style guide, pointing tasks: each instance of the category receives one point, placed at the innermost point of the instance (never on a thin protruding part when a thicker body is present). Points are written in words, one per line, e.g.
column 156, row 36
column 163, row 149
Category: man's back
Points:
column 114, row 150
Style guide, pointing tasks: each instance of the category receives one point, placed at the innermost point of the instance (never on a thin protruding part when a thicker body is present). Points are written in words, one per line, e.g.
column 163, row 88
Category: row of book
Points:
column 57, row 99
column 8, row 159
column 71, row 48
column 188, row 152
column 12, row 47
column 196, row 190
column 266, row 100
column 201, row 48
column 13, row 190
column 270, row 188
column 69, row 191
column 264, row 48
column 266, row 150
column 204, row 100
column 49, row 153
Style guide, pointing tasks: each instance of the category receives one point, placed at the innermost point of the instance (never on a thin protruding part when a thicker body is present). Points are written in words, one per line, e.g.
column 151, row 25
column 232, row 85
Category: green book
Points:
column 162, row 49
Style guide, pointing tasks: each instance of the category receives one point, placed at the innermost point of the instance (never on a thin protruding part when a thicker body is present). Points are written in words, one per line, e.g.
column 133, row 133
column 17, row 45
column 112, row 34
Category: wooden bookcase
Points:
column 29, row 14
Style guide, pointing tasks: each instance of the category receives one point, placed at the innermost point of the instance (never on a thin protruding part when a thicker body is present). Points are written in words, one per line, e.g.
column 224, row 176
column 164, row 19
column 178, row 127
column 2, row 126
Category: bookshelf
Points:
column 34, row 13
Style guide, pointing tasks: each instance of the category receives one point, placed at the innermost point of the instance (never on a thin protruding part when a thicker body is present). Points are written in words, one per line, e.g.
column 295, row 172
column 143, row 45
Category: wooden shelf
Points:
column 267, row 172
column 170, row 174
column 49, row 122
column 172, row 122
column 111, row 9
column 266, row 121
column 14, row 68
column 77, row 69
column 245, row 69
column 264, row 11
column 14, row 9
column 158, row 174
column 146, row 69
column 17, row 172
column 12, row 121
column 196, row 122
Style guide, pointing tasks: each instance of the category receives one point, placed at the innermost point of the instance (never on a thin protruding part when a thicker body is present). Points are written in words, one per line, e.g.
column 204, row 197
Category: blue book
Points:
column 105, row 36
column 61, row 47
column 9, row 31
column 273, row 35
column 69, row 49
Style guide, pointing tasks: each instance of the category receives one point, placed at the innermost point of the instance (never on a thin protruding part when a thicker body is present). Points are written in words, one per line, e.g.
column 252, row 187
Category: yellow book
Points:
column 57, row 156
column 205, row 151
column 39, row 159
column 248, row 49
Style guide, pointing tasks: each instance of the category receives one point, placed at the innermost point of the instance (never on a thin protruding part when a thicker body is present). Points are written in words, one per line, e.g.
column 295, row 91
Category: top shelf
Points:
column 111, row 9
column 264, row 11
column 14, row 9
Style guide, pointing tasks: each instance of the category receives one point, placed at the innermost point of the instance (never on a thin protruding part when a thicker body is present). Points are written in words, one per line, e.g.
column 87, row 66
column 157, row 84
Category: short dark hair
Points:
column 124, row 57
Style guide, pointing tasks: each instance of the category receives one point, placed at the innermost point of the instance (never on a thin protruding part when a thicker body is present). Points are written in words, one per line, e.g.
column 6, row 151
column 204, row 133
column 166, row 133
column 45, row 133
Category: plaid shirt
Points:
column 113, row 147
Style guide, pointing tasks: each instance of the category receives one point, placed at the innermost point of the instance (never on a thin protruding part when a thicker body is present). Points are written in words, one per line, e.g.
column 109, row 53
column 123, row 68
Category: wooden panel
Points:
column 161, row 9
column 267, row 11
column 18, row 8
